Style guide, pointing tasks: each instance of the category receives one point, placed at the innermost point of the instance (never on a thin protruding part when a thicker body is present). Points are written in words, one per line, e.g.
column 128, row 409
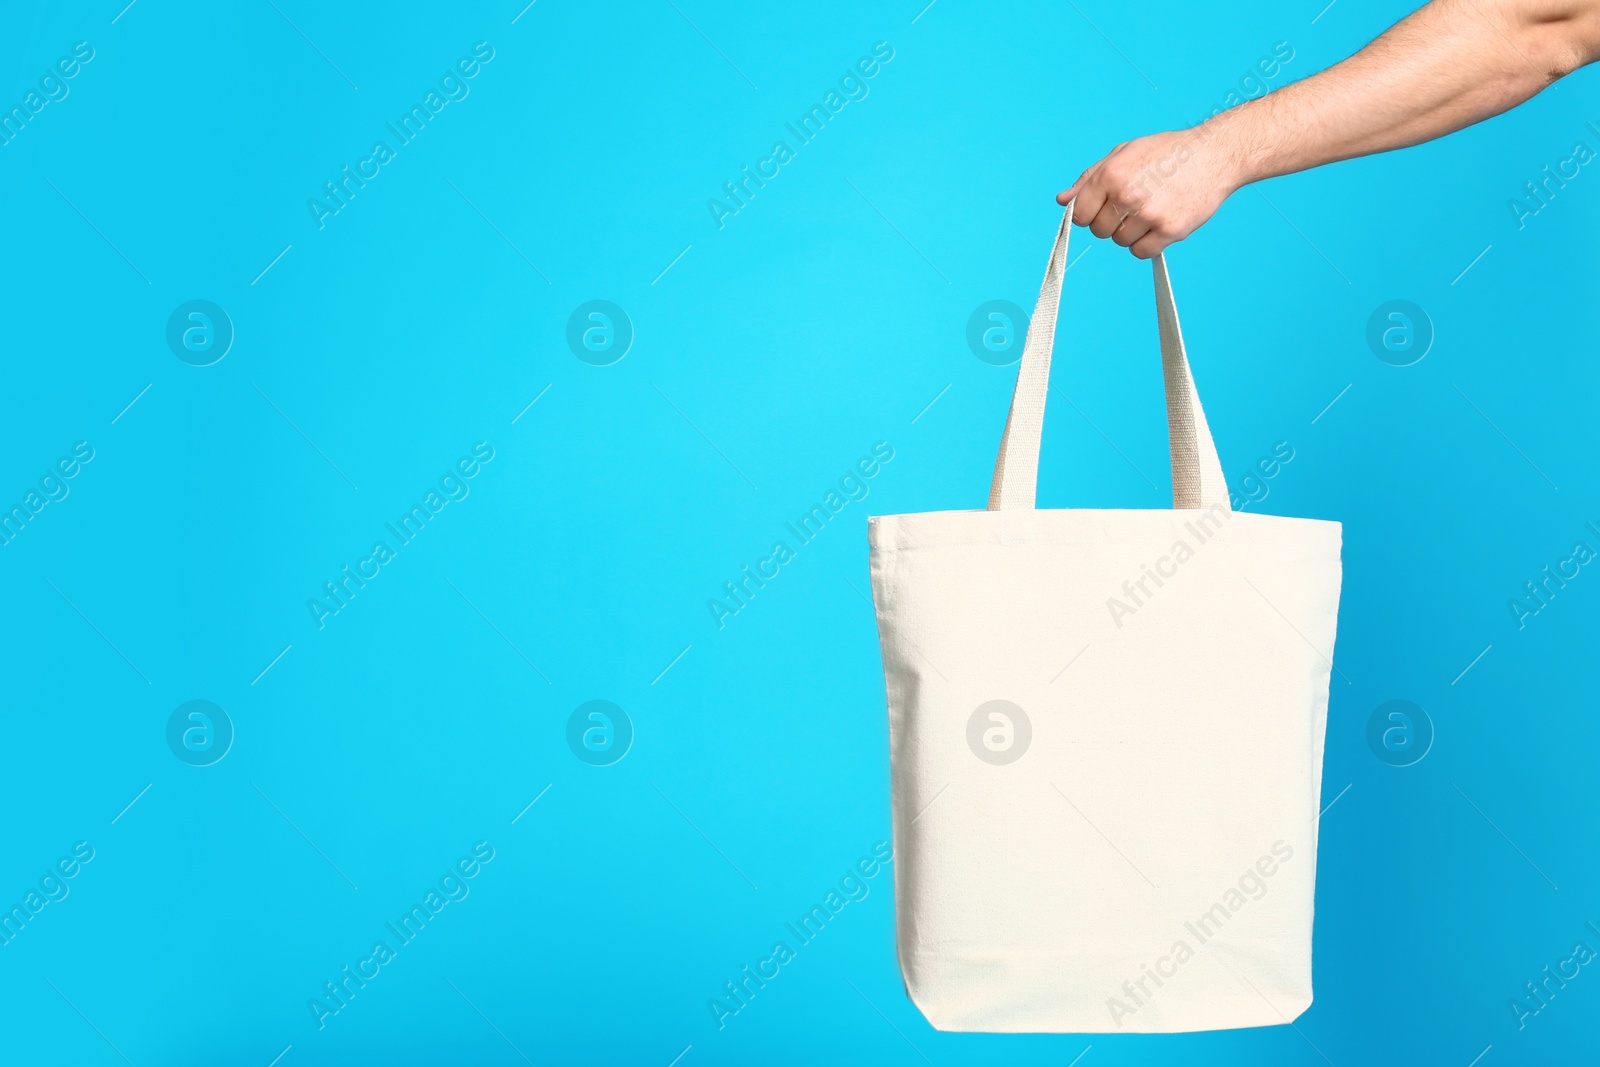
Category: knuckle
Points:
column 1116, row 174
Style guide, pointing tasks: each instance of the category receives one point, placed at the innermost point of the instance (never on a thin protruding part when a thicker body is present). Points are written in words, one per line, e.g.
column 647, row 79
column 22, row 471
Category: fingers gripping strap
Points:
column 1196, row 472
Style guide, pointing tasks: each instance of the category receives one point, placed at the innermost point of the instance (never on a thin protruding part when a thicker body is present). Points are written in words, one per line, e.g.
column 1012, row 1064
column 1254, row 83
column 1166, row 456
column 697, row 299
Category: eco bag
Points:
column 1106, row 732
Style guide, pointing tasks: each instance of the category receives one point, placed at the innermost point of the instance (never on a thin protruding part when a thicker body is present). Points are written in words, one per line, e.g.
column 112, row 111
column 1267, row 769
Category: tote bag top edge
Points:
column 935, row 527
column 1013, row 515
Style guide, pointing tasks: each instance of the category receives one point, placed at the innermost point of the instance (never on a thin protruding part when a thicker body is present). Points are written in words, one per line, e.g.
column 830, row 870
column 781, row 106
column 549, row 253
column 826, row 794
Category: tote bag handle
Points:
column 1197, row 480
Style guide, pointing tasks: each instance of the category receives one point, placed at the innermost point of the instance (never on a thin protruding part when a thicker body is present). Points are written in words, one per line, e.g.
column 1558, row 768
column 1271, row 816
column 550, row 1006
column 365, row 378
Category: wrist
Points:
column 1238, row 156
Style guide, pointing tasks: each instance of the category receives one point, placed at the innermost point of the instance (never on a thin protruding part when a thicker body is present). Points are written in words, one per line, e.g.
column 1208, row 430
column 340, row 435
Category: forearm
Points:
column 1447, row 66
column 1450, row 64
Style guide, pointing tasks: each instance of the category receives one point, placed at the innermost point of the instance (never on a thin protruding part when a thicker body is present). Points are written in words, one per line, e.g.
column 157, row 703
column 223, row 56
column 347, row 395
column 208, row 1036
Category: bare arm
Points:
column 1448, row 65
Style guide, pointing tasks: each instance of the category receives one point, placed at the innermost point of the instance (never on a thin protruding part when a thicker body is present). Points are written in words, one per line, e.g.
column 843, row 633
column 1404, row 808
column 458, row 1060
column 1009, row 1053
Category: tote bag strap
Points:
column 1197, row 480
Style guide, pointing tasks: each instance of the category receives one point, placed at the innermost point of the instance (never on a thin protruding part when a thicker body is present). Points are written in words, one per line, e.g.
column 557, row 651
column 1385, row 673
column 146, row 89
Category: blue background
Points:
column 769, row 355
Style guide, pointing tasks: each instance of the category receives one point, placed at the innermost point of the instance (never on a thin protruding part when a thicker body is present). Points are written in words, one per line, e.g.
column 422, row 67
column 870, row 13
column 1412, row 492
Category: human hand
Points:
column 1154, row 191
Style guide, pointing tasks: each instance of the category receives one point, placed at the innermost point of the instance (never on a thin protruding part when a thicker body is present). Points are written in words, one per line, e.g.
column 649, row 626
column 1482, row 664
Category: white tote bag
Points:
column 1106, row 732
